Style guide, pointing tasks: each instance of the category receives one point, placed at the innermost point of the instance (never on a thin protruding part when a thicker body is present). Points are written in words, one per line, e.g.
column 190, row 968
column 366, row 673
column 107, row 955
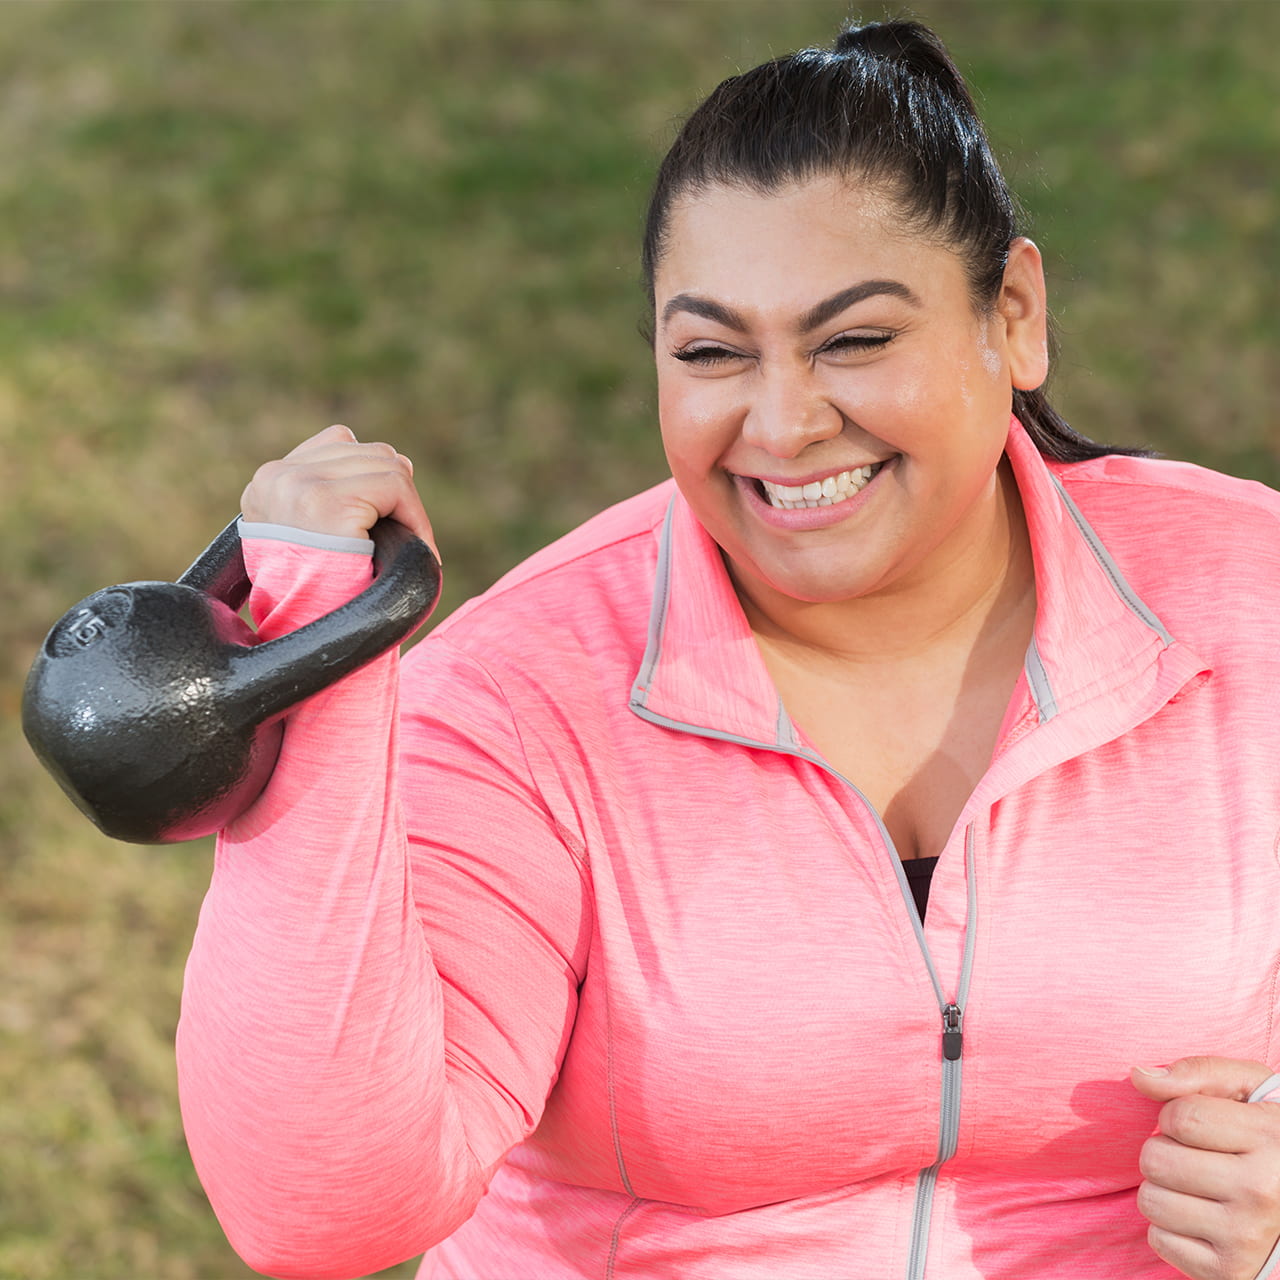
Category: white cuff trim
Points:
column 305, row 537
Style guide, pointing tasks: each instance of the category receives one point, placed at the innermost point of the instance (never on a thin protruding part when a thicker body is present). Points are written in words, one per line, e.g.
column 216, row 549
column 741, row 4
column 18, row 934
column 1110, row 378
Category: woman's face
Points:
column 832, row 407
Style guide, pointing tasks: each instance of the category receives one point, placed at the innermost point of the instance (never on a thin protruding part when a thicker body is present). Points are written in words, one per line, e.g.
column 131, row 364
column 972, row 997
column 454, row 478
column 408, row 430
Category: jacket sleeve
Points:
column 375, row 1007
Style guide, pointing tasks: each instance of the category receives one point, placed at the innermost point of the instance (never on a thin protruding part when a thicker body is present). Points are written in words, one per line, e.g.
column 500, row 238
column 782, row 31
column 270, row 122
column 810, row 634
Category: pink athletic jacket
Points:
column 565, row 907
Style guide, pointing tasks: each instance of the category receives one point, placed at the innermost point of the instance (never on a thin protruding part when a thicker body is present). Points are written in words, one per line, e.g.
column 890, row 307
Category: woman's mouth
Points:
column 828, row 492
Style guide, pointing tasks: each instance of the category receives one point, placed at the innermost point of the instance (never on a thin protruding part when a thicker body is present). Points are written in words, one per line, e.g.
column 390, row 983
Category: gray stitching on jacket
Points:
column 617, row 1237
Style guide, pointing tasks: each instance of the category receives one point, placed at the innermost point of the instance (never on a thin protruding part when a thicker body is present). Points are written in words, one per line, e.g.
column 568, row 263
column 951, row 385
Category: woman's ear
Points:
column 1023, row 308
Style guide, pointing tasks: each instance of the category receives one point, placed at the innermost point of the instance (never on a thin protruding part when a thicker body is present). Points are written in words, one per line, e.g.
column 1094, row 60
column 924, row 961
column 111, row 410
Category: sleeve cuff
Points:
column 305, row 537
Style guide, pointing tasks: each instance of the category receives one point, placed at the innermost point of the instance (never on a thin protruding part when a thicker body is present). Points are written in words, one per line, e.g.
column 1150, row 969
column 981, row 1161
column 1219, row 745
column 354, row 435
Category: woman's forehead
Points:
column 802, row 241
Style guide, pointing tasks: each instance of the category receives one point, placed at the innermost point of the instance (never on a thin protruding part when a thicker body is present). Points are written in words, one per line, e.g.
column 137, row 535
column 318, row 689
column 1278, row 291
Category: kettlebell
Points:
column 161, row 715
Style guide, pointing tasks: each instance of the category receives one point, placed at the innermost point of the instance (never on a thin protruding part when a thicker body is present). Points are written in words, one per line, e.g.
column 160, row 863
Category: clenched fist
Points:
column 332, row 483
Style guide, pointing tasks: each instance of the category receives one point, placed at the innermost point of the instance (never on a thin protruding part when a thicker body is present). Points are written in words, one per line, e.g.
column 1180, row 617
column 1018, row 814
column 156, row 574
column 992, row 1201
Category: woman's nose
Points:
column 789, row 411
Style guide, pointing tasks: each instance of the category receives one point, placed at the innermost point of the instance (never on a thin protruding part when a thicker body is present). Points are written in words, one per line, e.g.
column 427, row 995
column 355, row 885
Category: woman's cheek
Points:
column 907, row 394
column 696, row 429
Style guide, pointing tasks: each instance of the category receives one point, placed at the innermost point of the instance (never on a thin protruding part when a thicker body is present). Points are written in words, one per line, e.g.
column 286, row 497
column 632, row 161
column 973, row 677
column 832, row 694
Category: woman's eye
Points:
column 854, row 342
column 705, row 356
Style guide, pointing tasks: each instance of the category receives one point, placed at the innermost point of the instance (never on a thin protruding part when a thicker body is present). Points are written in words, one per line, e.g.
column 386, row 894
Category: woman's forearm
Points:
column 311, row 1049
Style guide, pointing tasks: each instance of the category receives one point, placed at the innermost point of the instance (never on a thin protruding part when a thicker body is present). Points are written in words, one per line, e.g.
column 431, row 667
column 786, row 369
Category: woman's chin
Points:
column 816, row 584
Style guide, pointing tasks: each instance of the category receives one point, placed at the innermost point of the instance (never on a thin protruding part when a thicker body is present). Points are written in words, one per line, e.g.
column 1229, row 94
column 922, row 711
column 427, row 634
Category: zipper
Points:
column 952, row 1033
column 951, row 1051
column 951, row 1010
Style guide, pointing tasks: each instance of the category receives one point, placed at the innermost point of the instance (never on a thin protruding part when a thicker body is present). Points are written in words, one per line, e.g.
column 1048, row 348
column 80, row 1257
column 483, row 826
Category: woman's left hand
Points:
column 1212, row 1173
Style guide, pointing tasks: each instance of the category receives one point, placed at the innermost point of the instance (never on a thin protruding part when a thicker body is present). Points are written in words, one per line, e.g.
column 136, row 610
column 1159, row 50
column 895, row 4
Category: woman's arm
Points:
column 345, row 1101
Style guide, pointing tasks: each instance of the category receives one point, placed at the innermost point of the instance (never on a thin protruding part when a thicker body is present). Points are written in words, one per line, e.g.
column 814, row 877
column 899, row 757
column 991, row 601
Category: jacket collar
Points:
column 1095, row 642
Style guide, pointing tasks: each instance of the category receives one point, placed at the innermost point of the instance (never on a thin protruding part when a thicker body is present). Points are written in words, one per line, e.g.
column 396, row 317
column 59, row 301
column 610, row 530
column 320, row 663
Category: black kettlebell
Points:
column 159, row 713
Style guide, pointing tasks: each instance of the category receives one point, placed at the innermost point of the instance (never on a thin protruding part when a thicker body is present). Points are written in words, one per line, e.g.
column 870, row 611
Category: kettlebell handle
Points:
column 273, row 676
column 219, row 569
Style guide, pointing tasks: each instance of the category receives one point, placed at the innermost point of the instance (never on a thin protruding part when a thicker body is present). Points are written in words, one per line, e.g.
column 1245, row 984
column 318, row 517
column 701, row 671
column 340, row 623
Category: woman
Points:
column 603, row 901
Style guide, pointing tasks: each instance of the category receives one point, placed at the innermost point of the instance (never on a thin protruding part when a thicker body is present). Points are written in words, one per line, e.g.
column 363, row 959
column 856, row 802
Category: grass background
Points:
column 225, row 225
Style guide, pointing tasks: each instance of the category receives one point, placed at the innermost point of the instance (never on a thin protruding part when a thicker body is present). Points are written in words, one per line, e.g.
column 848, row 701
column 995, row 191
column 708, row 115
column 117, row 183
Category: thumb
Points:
column 1235, row 1078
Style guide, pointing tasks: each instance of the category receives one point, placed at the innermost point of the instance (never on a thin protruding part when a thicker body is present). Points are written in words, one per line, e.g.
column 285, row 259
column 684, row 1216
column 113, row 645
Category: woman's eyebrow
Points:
column 705, row 308
column 817, row 315
column 831, row 307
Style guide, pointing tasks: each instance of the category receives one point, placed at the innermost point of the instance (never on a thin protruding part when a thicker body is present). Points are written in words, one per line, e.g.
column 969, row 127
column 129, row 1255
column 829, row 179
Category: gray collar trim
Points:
column 1111, row 569
column 1038, row 683
column 1037, row 678
column 657, row 613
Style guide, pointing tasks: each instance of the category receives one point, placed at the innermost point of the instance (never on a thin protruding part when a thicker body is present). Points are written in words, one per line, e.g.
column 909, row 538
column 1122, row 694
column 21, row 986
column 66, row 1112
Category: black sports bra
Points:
column 919, row 874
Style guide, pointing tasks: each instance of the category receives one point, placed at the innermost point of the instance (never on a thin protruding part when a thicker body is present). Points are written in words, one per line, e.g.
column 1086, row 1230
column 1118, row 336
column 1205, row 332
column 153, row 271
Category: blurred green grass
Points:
column 225, row 225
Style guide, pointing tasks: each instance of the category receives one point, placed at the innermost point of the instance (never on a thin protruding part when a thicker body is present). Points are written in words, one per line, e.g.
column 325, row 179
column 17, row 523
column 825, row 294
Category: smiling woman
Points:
column 790, row 387
column 580, row 944
column 919, row 573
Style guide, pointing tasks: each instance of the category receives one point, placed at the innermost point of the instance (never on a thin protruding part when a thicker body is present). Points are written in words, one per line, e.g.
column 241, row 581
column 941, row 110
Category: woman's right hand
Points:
column 332, row 483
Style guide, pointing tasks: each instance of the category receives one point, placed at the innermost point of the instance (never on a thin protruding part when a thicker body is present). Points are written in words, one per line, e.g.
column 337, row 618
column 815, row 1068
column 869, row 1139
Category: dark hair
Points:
column 886, row 103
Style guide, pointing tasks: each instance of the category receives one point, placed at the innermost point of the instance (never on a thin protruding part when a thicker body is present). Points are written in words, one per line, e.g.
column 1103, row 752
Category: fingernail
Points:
column 1153, row 1071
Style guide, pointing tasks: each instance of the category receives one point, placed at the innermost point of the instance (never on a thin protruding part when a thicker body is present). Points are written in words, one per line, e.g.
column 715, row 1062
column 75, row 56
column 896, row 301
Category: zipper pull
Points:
column 952, row 1035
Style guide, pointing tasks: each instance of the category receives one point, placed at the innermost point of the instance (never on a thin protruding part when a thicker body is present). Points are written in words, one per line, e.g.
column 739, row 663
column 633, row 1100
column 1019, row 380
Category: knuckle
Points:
column 1196, row 1064
column 1247, row 1205
column 1152, row 1159
column 1183, row 1119
column 1259, row 1193
column 1148, row 1202
column 257, row 494
column 267, row 472
column 297, row 483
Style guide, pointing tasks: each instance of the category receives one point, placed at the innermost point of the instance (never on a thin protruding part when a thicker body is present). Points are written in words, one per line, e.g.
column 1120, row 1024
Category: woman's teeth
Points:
column 819, row 493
